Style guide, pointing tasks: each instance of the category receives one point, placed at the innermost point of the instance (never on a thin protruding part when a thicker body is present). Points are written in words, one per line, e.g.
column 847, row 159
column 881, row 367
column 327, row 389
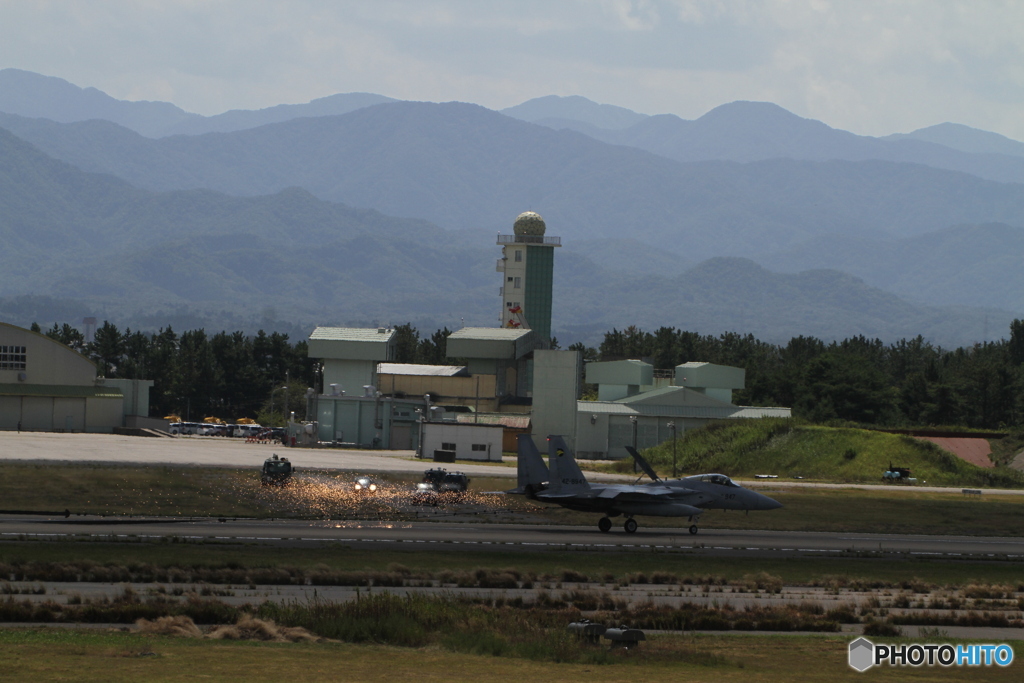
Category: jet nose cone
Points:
column 769, row 503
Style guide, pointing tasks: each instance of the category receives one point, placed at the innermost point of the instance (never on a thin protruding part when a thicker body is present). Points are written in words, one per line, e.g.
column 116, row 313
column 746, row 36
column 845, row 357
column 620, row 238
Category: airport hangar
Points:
column 508, row 380
column 47, row 386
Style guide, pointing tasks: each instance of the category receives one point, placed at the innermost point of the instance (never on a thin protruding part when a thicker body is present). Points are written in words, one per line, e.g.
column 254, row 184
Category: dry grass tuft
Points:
column 251, row 628
column 179, row 626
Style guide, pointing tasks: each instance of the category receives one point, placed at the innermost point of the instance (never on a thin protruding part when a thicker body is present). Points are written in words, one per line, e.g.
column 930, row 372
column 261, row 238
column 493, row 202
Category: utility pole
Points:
column 672, row 426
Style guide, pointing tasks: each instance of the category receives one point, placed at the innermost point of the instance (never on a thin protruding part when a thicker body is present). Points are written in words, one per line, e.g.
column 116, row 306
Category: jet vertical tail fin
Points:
column 532, row 472
column 566, row 476
column 641, row 461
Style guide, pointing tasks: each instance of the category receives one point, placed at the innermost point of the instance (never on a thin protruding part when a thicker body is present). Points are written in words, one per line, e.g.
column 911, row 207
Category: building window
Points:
column 518, row 283
column 519, row 255
column 510, row 278
column 12, row 357
column 447, row 446
column 479, row 447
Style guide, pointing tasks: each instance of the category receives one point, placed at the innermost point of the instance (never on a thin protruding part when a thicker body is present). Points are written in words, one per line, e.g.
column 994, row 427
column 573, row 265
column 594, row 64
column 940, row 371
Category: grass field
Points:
column 221, row 492
column 57, row 654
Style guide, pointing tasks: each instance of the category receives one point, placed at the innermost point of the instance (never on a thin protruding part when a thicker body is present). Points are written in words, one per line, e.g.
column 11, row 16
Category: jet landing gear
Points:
column 605, row 525
column 693, row 528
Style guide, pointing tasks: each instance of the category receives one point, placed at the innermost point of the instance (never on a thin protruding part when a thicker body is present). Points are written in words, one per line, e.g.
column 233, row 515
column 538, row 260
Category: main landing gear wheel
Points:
column 630, row 526
column 693, row 528
column 604, row 524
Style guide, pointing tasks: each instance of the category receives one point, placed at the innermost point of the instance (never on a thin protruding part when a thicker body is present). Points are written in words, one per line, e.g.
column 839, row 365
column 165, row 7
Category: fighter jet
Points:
column 719, row 492
column 565, row 485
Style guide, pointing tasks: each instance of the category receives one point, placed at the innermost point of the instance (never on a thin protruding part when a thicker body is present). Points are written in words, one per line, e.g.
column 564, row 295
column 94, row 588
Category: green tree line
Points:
column 906, row 383
column 195, row 375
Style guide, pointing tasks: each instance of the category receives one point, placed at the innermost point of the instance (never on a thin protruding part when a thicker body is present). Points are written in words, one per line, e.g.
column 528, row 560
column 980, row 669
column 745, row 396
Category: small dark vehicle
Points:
column 277, row 471
column 440, row 485
column 899, row 475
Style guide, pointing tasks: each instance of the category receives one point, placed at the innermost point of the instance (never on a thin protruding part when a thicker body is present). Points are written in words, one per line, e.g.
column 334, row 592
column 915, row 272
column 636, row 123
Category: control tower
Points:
column 527, row 261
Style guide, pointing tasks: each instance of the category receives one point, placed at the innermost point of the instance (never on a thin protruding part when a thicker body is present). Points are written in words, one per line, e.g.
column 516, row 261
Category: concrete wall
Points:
column 556, row 383
column 600, row 436
column 457, row 390
column 620, row 372
column 136, row 395
column 465, row 437
column 350, row 375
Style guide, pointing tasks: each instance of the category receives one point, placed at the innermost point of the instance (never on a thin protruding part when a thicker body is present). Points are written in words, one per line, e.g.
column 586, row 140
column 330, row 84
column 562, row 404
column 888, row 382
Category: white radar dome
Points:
column 529, row 223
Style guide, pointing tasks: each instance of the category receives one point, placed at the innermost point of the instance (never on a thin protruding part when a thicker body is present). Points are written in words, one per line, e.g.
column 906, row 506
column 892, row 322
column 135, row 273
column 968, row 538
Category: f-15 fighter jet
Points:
column 562, row 483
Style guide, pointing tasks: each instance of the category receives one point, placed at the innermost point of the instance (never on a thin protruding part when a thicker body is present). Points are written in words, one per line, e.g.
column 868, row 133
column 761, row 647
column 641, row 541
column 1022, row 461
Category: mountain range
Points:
column 330, row 212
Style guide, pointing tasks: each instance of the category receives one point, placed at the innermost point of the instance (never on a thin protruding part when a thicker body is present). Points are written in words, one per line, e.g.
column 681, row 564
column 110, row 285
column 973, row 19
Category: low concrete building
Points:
column 46, row 386
column 645, row 415
column 467, row 441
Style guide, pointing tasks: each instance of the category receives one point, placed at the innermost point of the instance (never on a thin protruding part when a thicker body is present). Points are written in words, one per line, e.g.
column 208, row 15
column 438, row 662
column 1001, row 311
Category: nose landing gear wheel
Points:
column 630, row 526
column 693, row 528
column 604, row 524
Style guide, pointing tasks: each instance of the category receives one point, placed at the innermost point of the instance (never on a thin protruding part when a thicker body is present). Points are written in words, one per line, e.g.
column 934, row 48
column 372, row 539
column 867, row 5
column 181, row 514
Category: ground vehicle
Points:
column 425, row 494
column 244, row 431
column 277, row 471
column 441, row 486
column 365, row 485
column 185, row 428
column 899, row 475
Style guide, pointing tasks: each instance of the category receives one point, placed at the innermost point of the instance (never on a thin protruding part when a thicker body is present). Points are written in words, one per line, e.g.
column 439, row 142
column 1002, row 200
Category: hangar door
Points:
column 10, row 412
column 37, row 413
column 69, row 414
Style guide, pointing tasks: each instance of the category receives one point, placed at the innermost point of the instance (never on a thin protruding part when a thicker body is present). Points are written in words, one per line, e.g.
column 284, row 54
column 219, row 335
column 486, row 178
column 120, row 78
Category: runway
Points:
column 466, row 537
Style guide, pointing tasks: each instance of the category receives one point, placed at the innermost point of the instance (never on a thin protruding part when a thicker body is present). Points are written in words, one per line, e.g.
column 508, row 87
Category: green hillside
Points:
column 844, row 455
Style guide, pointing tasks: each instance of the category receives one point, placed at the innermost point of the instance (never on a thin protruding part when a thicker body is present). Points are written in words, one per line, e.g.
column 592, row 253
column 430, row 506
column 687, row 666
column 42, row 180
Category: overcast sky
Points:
column 868, row 66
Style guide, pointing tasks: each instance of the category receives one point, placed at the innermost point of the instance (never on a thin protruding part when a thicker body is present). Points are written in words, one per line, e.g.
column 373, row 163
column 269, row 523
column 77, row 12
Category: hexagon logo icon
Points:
column 862, row 654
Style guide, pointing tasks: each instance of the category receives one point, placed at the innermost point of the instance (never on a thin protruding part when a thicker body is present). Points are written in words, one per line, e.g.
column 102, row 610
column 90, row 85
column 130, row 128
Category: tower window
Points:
column 518, row 283
column 510, row 279
column 519, row 255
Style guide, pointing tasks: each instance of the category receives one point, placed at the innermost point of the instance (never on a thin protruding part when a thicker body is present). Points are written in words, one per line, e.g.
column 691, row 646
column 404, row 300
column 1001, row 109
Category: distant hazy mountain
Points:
column 242, row 119
column 756, row 131
column 964, row 138
column 465, row 167
column 573, row 109
column 963, row 265
column 134, row 255
column 31, row 95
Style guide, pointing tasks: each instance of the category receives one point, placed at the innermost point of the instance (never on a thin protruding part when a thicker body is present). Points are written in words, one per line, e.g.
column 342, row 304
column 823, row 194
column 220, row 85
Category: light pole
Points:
column 274, row 391
column 419, row 433
column 632, row 420
column 672, row 426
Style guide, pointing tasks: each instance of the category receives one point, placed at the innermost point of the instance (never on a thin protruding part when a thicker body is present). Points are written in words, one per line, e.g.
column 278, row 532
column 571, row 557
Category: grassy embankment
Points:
column 337, row 564
column 745, row 448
